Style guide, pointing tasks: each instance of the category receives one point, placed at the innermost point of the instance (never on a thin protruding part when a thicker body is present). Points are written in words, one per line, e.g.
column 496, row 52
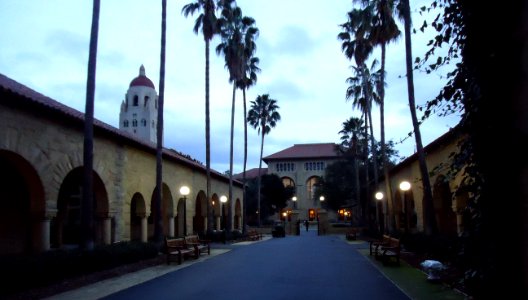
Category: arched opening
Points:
column 200, row 214
column 167, row 208
column 138, row 211
column 311, row 186
column 445, row 217
column 238, row 215
column 180, row 218
column 23, row 204
column 66, row 227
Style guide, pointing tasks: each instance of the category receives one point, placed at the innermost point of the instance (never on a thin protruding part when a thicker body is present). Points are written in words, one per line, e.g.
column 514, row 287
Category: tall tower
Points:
column 139, row 110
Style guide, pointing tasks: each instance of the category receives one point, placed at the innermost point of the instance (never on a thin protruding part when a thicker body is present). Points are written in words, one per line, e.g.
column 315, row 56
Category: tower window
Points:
column 125, row 123
column 153, row 124
column 134, row 123
column 146, row 100
column 136, row 100
column 143, row 122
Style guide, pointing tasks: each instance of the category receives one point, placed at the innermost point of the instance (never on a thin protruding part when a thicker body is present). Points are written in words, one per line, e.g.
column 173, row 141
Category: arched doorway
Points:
column 66, row 229
column 180, row 218
column 238, row 215
column 23, row 205
column 138, row 212
column 445, row 216
column 200, row 214
column 167, row 209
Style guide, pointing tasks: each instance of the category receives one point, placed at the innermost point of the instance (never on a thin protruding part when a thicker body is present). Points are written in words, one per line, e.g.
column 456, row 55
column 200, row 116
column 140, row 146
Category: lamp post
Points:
column 321, row 200
column 379, row 197
column 294, row 199
column 184, row 191
column 404, row 187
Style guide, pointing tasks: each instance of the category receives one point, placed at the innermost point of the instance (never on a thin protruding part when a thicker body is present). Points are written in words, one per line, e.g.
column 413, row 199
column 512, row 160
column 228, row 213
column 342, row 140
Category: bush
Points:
column 22, row 272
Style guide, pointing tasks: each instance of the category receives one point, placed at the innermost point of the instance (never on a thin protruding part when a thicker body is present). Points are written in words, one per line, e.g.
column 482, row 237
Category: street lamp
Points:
column 184, row 191
column 223, row 199
column 379, row 197
column 405, row 186
column 294, row 199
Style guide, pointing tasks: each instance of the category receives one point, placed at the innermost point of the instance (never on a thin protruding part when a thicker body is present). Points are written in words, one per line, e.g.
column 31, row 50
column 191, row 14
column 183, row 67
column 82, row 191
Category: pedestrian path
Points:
column 295, row 267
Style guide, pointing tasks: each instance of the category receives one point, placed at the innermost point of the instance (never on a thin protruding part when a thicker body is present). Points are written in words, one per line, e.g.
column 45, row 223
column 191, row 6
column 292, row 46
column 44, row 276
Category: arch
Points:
column 180, row 218
column 215, row 203
column 311, row 186
column 136, row 101
column 445, row 217
column 238, row 215
column 22, row 202
column 200, row 213
column 66, row 226
column 288, row 181
column 167, row 211
column 138, row 211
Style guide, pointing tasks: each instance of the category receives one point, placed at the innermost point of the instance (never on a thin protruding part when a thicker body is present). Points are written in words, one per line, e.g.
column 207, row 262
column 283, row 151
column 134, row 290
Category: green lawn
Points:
column 413, row 281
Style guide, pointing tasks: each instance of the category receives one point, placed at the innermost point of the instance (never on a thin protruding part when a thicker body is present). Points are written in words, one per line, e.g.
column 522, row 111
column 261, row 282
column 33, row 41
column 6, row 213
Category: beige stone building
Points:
column 41, row 150
column 405, row 211
column 302, row 166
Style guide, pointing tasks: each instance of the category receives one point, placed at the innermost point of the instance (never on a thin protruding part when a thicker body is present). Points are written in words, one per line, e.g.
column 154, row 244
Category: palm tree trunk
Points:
column 230, row 199
column 244, row 203
column 208, row 142
column 366, row 210
column 384, row 160
column 259, row 172
column 87, row 225
column 429, row 222
column 158, row 217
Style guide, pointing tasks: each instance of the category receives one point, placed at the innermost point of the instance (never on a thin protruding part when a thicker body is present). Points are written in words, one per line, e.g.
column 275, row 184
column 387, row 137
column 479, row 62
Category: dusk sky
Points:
column 45, row 46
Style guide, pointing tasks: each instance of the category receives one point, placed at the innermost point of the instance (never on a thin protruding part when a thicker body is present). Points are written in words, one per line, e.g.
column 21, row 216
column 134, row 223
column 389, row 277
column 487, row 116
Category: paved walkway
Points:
column 295, row 267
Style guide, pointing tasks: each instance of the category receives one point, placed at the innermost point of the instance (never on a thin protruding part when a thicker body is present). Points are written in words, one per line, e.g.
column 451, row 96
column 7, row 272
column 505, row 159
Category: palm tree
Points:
column 384, row 30
column 430, row 221
column 87, row 225
column 234, row 30
column 158, row 218
column 352, row 128
column 263, row 116
column 206, row 22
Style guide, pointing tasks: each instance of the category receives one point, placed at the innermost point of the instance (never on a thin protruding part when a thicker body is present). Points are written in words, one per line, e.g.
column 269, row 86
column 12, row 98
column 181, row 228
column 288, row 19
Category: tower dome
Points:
column 142, row 80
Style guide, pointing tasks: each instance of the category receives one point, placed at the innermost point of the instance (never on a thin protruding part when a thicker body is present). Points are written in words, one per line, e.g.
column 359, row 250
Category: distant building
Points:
column 139, row 110
column 302, row 166
column 250, row 174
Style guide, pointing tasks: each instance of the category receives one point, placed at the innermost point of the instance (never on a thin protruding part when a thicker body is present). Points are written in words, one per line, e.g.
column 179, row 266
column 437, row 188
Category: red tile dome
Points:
column 142, row 80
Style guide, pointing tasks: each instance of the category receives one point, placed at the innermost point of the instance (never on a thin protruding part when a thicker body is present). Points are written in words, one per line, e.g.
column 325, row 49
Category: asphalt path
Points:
column 295, row 267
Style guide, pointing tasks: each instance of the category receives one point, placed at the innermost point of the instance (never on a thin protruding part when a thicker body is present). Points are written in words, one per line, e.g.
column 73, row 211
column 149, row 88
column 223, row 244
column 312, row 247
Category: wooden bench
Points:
column 253, row 235
column 176, row 247
column 351, row 234
column 374, row 245
column 199, row 246
column 390, row 250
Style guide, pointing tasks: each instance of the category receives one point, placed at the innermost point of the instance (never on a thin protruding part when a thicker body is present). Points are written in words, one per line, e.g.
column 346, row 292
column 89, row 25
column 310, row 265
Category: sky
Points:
column 44, row 45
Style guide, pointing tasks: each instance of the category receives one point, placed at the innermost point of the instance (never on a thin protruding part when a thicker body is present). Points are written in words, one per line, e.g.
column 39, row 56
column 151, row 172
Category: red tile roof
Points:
column 305, row 151
column 30, row 99
column 251, row 173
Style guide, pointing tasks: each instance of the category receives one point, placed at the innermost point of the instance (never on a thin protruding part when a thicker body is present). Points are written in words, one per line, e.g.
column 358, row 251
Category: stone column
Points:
column 295, row 230
column 107, row 230
column 323, row 222
column 41, row 231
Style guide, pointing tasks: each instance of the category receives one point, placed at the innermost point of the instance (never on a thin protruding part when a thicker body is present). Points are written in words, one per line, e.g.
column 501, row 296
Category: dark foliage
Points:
column 273, row 197
column 22, row 272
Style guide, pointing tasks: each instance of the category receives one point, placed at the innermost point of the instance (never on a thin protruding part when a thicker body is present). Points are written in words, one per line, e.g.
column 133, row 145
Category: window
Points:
column 146, row 100
column 314, row 166
column 136, row 100
column 285, row 167
column 143, row 122
column 153, row 124
column 125, row 123
column 134, row 123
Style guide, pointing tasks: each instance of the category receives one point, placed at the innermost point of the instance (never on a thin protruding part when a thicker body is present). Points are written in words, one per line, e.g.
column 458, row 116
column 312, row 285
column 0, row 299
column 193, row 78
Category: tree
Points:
column 158, row 218
column 263, row 116
column 234, row 28
column 206, row 22
column 274, row 195
column 430, row 219
column 87, row 211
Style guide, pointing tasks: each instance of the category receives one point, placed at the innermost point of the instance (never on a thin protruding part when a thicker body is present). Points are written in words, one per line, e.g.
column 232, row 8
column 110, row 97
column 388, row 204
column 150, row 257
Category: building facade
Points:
column 41, row 171
column 302, row 166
